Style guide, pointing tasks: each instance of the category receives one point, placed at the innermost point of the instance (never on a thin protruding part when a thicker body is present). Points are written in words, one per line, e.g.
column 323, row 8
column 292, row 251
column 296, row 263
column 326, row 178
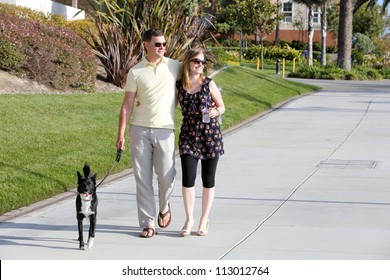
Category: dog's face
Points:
column 87, row 183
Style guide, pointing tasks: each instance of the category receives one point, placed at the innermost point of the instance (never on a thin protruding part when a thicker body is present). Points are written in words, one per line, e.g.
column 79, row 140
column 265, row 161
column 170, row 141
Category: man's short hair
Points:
column 153, row 32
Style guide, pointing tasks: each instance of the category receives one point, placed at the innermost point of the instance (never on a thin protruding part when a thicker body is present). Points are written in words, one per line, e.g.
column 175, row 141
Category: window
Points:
column 316, row 15
column 287, row 11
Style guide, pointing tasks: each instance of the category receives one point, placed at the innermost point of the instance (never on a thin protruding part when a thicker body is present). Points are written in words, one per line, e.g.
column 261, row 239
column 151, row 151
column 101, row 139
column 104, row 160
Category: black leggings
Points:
column 188, row 167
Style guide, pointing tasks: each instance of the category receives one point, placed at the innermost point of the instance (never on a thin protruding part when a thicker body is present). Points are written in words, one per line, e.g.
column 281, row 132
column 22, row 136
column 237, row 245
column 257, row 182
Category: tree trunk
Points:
column 262, row 52
column 310, row 35
column 277, row 30
column 323, row 34
column 345, row 34
column 257, row 37
column 241, row 42
column 277, row 34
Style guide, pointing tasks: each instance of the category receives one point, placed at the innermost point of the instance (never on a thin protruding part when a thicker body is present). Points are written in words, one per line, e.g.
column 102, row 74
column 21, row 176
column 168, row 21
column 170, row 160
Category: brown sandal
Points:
column 161, row 217
column 145, row 233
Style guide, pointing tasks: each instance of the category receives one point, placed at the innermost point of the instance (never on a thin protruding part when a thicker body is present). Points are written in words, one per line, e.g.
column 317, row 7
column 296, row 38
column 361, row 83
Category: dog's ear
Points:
column 87, row 170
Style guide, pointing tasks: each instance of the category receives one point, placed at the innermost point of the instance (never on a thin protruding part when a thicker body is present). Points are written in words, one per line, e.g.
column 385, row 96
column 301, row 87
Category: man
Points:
column 152, row 82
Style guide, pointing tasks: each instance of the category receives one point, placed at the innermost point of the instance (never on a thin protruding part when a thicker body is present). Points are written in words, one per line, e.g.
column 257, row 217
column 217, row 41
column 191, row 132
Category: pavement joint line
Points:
column 269, row 216
column 344, row 164
column 316, row 168
column 352, row 131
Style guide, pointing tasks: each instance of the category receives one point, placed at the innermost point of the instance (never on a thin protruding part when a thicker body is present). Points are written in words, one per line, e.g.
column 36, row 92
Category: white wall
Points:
column 49, row 7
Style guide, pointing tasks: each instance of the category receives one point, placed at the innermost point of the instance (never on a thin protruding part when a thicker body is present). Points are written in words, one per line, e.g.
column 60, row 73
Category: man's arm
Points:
column 124, row 117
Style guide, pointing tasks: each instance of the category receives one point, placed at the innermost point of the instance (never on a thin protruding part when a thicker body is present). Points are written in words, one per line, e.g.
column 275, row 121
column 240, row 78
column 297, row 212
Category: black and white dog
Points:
column 86, row 204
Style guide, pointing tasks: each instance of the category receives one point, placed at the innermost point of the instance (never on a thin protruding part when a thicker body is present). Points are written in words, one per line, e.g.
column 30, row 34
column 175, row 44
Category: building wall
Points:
column 295, row 27
column 81, row 4
column 49, row 7
column 290, row 35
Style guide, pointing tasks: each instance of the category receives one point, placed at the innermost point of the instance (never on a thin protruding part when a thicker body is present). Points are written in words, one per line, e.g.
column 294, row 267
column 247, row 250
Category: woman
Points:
column 200, row 137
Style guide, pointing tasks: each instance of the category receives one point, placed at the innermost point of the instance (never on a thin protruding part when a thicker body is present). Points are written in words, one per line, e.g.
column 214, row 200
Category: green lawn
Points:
column 46, row 138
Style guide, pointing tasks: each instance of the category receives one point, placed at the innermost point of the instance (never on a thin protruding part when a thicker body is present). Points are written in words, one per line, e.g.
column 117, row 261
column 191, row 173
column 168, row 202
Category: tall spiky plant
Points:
column 115, row 49
column 183, row 24
column 181, row 20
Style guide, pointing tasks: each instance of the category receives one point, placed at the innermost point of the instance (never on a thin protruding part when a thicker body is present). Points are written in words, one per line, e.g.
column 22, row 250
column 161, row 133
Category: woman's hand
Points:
column 214, row 113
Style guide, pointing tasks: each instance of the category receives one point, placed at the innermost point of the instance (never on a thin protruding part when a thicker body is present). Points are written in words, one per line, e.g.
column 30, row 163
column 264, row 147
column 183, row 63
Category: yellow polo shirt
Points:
column 155, row 87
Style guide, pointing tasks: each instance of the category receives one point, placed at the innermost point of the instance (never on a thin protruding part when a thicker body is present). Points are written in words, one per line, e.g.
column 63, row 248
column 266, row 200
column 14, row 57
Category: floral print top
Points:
column 200, row 140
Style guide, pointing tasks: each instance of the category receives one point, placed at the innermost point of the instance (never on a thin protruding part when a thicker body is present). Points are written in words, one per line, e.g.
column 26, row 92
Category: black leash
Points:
column 118, row 158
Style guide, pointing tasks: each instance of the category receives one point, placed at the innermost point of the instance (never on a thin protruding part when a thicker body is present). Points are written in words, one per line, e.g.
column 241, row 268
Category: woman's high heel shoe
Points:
column 204, row 231
column 186, row 231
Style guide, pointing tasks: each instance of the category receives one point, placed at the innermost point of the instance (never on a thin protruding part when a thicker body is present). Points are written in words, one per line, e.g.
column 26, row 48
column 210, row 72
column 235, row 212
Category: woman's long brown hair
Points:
column 185, row 73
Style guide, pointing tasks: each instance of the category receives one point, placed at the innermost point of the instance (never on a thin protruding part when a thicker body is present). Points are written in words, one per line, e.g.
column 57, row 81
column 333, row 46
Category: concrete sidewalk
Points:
column 307, row 181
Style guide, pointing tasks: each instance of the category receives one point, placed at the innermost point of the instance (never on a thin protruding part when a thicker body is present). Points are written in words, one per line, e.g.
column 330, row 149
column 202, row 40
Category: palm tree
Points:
column 345, row 34
column 347, row 7
column 371, row 4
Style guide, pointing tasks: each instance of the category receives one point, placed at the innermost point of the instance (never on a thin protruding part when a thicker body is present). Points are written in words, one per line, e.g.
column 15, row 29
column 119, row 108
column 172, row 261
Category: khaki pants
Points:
column 152, row 148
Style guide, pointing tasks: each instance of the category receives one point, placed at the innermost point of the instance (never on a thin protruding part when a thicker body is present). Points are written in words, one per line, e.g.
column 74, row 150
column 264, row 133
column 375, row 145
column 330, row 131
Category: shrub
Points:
column 83, row 28
column 385, row 72
column 223, row 55
column 298, row 45
column 332, row 72
column 79, row 26
column 331, row 49
column 272, row 52
column 366, row 73
column 22, row 12
column 284, row 44
column 317, row 55
column 363, row 43
column 316, row 46
column 267, row 43
column 357, row 57
column 11, row 58
column 54, row 56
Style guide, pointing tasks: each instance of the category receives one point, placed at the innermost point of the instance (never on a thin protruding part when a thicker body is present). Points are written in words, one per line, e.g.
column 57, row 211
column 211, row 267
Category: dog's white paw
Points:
column 90, row 243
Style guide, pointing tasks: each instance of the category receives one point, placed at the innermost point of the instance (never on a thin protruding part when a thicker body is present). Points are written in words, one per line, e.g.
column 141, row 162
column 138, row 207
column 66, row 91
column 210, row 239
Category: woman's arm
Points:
column 216, row 95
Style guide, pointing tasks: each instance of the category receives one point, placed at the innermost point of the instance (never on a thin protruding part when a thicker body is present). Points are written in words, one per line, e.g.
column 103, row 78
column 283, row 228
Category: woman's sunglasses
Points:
column 158, row 44
column 198, row 61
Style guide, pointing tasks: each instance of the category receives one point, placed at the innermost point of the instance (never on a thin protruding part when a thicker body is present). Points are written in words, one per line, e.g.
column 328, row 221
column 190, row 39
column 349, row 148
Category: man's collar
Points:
column 146, row 61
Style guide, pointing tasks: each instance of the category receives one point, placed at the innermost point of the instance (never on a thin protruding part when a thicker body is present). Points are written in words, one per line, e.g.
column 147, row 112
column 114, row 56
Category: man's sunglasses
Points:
column 158, row 44
column 198, row 61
